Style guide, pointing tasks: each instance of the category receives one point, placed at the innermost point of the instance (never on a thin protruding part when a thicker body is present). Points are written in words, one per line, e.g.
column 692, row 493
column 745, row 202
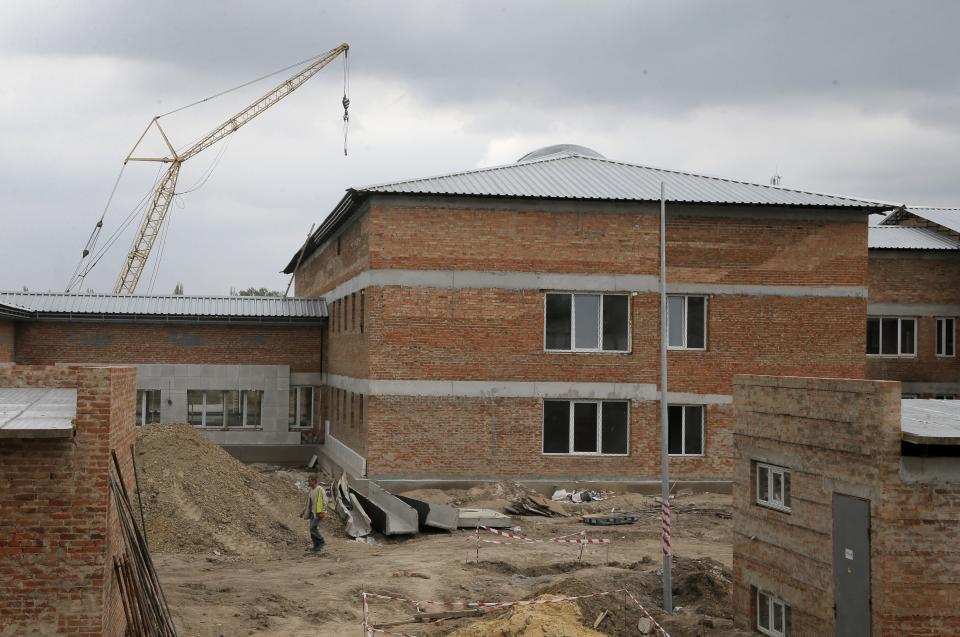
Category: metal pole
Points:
column 664, row 431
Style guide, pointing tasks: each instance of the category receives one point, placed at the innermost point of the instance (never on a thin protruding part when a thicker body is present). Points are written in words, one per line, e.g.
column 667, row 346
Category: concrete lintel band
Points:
column 516, row 389
column 912, row 309
column 471, row 279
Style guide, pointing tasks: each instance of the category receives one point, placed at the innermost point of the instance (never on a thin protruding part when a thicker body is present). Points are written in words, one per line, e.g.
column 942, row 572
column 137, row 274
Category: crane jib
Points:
column 153, row 219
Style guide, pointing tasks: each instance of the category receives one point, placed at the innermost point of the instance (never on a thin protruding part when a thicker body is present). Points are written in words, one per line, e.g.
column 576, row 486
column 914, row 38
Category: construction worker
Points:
column 314, row 509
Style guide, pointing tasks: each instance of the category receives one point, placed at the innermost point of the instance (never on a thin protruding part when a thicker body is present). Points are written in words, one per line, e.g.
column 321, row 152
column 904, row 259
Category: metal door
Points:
column 851, row 565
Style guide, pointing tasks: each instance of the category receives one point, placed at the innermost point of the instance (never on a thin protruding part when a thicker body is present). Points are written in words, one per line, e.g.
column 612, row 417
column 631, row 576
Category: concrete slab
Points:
column 470, row 518
column 433, row 514
column 388, row 514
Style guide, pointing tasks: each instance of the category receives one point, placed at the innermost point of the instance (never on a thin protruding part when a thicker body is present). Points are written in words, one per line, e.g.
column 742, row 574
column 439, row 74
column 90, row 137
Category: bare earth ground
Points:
column 295, row 593
column 230, row 549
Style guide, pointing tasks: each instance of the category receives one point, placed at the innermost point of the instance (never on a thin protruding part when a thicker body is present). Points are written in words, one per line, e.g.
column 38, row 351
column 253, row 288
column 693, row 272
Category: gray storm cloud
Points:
column 858, row 98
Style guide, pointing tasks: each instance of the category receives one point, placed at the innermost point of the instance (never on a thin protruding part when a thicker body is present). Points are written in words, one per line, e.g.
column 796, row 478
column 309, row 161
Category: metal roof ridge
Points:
column 738, row 181
column 571, row 155
column 473, row 171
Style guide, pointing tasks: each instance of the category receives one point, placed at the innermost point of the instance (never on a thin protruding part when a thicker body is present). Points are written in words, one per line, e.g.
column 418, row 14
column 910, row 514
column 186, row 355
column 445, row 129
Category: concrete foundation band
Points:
column 516, row 389
column 468, row 279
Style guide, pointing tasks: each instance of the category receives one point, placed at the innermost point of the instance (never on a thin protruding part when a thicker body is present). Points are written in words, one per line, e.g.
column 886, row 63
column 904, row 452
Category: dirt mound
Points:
column 562, row 619
column 533, row 570
column 704, row 583
column 199, row 499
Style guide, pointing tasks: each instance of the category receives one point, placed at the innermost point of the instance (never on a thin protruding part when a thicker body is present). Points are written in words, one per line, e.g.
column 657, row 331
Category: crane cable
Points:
column 346, row 98
column 244, row 85
column 112, row 239
column 95, row 234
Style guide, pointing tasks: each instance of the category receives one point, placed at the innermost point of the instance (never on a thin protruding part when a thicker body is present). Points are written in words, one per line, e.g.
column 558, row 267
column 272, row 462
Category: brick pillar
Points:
column 8, row 349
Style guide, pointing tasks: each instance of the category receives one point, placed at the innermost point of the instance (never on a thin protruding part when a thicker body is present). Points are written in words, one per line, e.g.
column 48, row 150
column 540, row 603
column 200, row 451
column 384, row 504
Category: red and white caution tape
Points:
column 565, row 539
column 665, row 519
column 372, row 630
column 649, row 616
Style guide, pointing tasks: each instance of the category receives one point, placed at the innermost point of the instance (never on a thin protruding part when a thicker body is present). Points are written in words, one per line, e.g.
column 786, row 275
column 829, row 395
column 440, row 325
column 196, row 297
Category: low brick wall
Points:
column 58, row 529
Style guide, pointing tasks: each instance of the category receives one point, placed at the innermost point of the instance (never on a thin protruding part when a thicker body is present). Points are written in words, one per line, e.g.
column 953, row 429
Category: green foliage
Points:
column 259, row 292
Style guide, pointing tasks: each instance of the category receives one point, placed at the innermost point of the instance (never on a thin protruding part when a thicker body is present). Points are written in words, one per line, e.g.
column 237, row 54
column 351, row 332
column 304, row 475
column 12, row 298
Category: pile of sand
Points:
column 199, row 499
column 561, row 619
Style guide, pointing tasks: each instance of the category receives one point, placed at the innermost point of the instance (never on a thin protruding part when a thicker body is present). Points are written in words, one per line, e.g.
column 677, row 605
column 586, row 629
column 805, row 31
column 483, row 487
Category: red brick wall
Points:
column 502, row 438
column 497, row 334
column 700, row 249
column 928, row 277
column 840, row 436
column 7, row 341
column 50, row 342
column 58, row 530
column 345, row 257
column 922, row 278
column 348, row 415
column 926, row 366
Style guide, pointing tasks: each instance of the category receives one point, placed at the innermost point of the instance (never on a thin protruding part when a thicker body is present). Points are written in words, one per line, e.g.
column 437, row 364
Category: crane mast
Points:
column 162, row 197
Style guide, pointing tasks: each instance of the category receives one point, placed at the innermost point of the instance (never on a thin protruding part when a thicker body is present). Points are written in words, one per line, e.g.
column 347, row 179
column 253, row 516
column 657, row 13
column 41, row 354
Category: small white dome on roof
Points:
column 559, row 149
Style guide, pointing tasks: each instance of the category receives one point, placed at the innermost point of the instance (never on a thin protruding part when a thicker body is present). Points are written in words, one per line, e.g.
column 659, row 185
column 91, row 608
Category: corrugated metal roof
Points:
column 908, row 238
column 930, row 421
column 574, row 176
column 949, row 218
column 36, row 412
column 212, row 307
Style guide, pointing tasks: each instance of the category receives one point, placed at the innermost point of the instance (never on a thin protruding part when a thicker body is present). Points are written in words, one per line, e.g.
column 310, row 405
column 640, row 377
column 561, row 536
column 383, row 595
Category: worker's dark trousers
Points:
column 318, row 540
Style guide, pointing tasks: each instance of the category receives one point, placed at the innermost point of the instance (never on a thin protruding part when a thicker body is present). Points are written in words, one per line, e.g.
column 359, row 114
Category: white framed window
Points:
column 891, row 336
column 945, row 397
column 773, row 615
column 946, row 337
column 218, row 408
column 301, row 407
column 586, row 427
column 773, row 487
column 575, row 322
column 686, row 322
column 908, row 396
column 685, row 429
column 148, row 406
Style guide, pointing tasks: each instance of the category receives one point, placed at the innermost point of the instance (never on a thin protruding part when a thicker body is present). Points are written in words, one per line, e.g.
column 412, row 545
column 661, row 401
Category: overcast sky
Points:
column 856, row 98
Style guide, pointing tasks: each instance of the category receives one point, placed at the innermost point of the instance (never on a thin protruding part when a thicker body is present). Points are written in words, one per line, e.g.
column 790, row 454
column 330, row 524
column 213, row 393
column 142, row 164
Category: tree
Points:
column 178, row 289
column 251, row 291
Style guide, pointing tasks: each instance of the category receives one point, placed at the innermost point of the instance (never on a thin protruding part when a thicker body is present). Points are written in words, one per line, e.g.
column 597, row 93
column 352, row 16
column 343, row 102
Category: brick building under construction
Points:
column 504, row 322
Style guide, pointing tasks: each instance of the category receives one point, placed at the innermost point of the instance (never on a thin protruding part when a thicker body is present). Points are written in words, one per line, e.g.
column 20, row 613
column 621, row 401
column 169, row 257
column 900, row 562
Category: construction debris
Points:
column 535, row 504
column 610, row 519
column 356, row 521
column 562, row 619
column 576, row 497
column 472, row 518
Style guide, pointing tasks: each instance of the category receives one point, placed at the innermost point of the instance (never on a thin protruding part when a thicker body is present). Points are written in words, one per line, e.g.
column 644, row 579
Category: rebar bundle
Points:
column 144, row 604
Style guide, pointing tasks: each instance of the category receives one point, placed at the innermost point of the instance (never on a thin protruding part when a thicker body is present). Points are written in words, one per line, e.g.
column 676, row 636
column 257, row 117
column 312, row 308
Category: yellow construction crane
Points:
column 163, row 195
